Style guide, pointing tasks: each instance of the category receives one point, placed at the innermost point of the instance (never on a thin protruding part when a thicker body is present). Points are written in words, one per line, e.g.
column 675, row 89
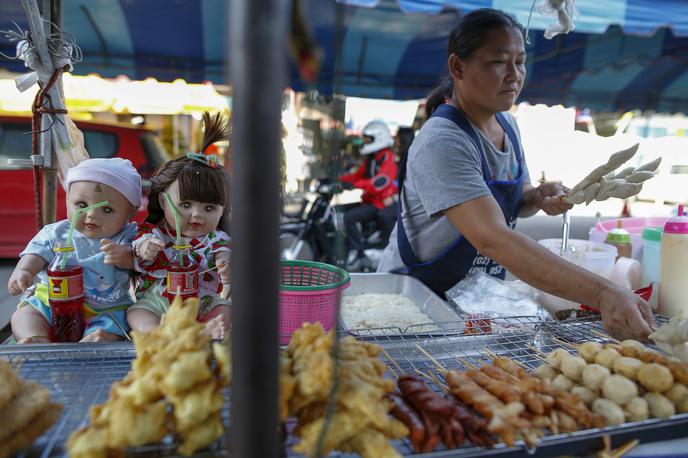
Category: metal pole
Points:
column 257, row 72
column 52, row 12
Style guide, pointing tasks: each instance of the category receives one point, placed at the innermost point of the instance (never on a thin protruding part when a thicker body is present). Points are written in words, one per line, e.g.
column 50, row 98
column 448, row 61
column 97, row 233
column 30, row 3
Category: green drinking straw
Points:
column 75, row 216
column 177, row 226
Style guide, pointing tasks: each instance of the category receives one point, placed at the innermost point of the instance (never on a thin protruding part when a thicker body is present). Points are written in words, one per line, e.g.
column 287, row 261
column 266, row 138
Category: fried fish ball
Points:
column 607, row 357
column 585, row 394
column 588, row 350
column 682, row 406
column 612, row 413
column 562, row 382
column 594, row 375
column 619, row 389
column 555, row 357
column 628, row 367
column 637, row 409
column 545, row 372
column 572, row 367
column 655, row 377
column 660, row 406
column 633, row 343
column 677, row 393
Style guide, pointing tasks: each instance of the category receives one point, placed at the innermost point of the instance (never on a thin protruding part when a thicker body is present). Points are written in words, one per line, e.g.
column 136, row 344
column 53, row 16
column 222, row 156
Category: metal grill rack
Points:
column 78, row 377
column 525, row 340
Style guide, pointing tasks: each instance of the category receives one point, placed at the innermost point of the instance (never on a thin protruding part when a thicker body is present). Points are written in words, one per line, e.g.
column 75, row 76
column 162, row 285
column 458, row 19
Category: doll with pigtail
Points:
column 198, row 186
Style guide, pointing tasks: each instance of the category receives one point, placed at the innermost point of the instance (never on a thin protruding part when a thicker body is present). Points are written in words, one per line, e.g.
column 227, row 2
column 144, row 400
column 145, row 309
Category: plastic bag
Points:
column 69, row 155
column 482, row 294
column 563, row 10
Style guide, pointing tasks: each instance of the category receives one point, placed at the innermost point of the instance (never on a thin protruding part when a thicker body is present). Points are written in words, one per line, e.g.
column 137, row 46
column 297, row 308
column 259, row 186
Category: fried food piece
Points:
column 26, row 436
column 545, row 372
column 562, row 383
column 588, row 350
column 607, row 357
column 594, row 376
column 132, row 425
column 287, row 385
column 88, row 442
column 585, row 394
column 555, row 357
column 370, row 443
column 660, row 406
column 18, row 412
column 201, row 435
column 655, row 377
column 573, row 367
column 610, row 411
column 9, row 383
column 224, row 362
column 196, row 404
column 628, row 367
column 619, row 389
column 189, row 369
column 343, row 426
column 637, row 410
column 677, row 393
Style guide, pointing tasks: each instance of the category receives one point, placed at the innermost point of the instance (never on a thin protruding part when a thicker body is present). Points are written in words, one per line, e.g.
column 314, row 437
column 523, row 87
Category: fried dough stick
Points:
column 536, row 402
column 566, row 402
column 505, row 420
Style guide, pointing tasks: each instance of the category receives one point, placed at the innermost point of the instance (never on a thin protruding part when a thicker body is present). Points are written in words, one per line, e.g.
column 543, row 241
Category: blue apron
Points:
column 460, row 258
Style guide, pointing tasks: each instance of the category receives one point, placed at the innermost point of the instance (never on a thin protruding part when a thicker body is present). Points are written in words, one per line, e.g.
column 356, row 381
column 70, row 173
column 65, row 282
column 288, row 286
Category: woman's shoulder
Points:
column 443, row 136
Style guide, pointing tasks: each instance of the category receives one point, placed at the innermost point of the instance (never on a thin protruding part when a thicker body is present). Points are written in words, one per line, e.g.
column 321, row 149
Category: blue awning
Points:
column 624, row 54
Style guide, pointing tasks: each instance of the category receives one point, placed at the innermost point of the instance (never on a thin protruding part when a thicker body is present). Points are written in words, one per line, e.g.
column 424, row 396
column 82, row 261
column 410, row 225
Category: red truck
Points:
column 17, row 221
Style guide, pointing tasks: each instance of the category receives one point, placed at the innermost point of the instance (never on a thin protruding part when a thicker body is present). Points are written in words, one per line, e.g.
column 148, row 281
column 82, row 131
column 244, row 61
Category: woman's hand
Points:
column 117, row 255
column 625, row 315
column 548, row 198
column 149, row 248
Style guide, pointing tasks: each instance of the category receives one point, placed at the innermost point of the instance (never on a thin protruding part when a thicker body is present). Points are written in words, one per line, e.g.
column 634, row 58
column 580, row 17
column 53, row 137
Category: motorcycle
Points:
column 315, row 232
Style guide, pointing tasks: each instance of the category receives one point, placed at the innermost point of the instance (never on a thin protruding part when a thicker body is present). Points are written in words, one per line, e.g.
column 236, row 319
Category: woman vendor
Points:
column 466, row 182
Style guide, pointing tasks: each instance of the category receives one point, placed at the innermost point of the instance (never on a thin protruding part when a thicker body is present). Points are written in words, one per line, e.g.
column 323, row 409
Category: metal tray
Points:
column 78, row 376
column 439, row 311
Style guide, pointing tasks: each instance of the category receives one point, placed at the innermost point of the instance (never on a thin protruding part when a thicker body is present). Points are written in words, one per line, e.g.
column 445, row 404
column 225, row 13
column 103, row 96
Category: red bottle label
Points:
column 184, row 283
column 65, row 288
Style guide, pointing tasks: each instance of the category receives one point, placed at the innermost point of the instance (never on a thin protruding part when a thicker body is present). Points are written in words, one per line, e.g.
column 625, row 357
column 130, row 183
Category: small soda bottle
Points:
column 182, row 274
column 66, row 296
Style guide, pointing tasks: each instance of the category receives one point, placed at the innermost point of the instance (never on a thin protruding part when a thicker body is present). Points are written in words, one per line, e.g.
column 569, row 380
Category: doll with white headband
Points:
column 102, row 244
column 198, row 186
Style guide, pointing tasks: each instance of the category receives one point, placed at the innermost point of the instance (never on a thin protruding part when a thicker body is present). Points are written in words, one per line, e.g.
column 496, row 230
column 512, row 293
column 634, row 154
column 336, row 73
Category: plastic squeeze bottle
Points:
column 673, row 267
column 621, row 239
column 66, row 296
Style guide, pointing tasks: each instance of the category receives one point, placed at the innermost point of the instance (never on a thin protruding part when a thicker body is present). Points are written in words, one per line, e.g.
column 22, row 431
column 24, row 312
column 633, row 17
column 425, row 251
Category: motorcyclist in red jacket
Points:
column 376, row 177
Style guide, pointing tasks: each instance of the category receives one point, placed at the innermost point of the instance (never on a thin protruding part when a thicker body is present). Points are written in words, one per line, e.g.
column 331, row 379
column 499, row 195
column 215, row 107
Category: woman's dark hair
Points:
column 470, row 34
column 405, row 135
column 197, row 180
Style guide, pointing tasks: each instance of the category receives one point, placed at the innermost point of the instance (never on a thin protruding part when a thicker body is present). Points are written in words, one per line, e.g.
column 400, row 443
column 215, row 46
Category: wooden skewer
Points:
column 391, row 360
column 603, row 335
column 565, row 344
column 441, row 368
column 489, row 352
column 427, row 376
column 439, row 382
column 625, row 448
column 465, row 363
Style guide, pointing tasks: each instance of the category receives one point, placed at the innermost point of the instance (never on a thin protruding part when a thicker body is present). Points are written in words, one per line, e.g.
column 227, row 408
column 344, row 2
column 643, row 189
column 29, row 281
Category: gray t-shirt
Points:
column 444, row 170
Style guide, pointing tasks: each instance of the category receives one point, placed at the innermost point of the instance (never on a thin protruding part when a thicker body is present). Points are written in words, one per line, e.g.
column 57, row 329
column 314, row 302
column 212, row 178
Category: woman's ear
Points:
column 455, row 66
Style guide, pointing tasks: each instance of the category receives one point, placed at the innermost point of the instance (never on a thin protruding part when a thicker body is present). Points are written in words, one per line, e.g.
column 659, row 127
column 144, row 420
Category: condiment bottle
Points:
column 621, row 239
column 673, row 268
column 182, row 273
column 66, row 296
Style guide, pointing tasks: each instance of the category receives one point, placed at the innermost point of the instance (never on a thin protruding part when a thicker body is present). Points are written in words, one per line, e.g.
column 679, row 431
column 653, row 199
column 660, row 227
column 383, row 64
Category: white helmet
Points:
column 376, row 136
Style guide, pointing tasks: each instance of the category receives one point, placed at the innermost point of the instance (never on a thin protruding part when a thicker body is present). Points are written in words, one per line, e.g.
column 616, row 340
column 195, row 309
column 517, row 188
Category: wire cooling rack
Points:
column 77, row 377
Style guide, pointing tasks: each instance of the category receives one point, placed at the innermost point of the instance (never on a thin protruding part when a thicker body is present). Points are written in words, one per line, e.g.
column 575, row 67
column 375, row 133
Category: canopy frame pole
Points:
column 257, row 73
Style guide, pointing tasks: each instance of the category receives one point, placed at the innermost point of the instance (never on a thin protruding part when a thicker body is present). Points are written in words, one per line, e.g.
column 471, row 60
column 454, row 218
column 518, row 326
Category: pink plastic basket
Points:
column 309, row 292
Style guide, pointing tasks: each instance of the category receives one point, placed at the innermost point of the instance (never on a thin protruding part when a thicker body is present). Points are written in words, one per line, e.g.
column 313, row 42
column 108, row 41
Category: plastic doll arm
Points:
column 224, row 266
column 27, row 268
column 148, row 248
column 117, row 255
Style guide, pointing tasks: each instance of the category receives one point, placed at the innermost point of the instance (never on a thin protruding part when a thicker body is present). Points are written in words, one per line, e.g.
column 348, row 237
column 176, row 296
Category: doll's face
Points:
column 100, row 222
column 197, row 218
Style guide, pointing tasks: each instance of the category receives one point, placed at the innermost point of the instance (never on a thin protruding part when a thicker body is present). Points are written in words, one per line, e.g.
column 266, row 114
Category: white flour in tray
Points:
column 370, row 310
